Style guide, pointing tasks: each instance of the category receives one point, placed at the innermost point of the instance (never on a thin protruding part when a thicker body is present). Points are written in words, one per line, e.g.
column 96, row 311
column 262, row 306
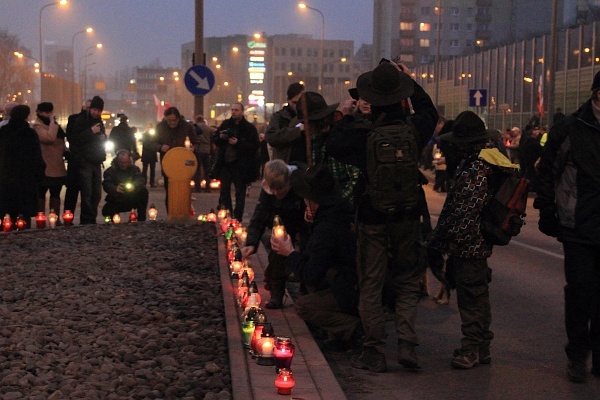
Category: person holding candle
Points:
column 276, row 198
column 21, row 166
column 125, row 187
column 328, row 264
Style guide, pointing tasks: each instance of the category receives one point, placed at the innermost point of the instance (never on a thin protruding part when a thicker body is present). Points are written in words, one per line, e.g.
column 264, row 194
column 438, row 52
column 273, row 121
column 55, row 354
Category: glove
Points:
column 548, row 223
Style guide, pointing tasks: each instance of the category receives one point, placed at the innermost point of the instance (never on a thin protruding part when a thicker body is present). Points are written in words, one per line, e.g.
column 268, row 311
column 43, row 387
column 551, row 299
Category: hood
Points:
column 493, row 156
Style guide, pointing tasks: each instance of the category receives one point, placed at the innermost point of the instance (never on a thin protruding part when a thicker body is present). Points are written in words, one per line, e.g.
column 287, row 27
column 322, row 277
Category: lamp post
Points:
column 36, row 64
column 62, row 3
column 437, row 75
column 86, row 55
column 322, row 50
column 87, row 30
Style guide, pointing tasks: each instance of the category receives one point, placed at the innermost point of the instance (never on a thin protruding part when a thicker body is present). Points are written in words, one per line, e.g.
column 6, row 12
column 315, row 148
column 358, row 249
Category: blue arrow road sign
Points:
column 477, row 98
column 199, row 80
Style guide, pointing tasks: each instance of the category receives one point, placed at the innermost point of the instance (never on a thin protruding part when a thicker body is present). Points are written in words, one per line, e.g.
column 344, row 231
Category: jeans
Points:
column 230, row 174
column 90, row 184
column 582, row 301
column 389, row 252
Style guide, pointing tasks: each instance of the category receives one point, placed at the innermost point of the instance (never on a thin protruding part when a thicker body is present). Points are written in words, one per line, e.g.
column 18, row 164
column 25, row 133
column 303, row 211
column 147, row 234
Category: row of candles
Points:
column 40, row 220
column 258, row 334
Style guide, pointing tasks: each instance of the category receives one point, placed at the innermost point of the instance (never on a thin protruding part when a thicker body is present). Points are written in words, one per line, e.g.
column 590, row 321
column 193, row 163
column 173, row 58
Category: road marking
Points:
column 534, row 248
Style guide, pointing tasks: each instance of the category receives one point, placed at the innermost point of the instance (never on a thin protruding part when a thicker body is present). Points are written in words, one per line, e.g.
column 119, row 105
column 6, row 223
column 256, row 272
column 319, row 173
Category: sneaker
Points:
column 484, row 355
column 407, row 355
column 465, row 359
column 576, row 371
column 369, row 358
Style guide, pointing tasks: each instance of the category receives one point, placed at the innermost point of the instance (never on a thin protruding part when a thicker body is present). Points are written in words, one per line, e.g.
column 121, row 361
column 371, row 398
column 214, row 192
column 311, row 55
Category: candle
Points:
column 52, row 217
column 258, row 328
column 279, row 231
column 187, row 143
column 211, row 216
column 133, row 216
column 284, row 382
column 68, row 217
column 116, row 218
column 283, row 352
column 40, row 220
column 236, row 267
column 21, row 224
column 248, row 330
column 215, row 184
column 152, row 213
column 266, row 347
column 221, row 214
column 6, row 223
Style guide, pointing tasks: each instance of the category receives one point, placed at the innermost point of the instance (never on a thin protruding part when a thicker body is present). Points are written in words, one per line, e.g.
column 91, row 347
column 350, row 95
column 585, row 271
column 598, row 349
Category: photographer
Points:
column 87, row 155
column 125, row 187
column 237, row 144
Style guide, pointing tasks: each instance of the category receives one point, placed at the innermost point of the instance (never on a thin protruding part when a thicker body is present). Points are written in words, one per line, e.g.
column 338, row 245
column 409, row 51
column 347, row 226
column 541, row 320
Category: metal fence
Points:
column 513, row 76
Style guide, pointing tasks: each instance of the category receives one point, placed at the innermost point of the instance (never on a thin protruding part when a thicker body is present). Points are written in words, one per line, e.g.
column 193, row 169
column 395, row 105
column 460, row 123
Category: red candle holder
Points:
column 21, row 224
column 7, row 223
column 40, row 220
column 283, row 352
column 133, row 216
column 285, row 382
column 68, row 217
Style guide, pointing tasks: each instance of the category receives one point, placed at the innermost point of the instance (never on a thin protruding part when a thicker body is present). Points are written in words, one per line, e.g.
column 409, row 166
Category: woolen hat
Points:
column 294, row 90
column 468, row 127
column 45, row 107
column 317, row 184
column 316, row 107
column 385, row 85
column 596, row 82
column 97, row 103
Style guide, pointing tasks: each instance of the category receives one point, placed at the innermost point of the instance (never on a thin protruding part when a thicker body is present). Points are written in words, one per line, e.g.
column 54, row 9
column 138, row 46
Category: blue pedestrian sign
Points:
column 477, row 98
column 199, row 80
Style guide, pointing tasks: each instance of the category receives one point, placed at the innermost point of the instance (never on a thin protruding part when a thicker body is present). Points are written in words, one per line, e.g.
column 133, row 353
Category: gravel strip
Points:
column 125, row 311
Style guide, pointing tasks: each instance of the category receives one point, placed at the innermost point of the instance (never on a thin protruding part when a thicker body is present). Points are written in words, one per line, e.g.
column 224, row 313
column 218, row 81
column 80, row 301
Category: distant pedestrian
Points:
column 72, row 182
column 557, row 116
column 202, row 150
column 123, row 137
column 568, row 197
column 21, row 166
column 284, row 134
column 149, row 154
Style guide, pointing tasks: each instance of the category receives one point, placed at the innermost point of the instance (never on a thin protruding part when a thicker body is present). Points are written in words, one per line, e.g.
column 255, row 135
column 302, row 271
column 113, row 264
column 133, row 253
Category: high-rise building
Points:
column 58, row 60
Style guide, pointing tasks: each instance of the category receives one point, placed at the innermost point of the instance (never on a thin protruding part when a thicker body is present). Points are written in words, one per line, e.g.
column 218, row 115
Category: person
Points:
column 7, row 110
column 237, row 143
column 52, row 141
column 459, row 235
column 568, row 198
column 328, row 264
column 263, row 154
column 363, row 108
column 125, row 187
column 557, row 116
column 319, row 118
column 535, row 120
column 283, row 135
column 513, row 143
column 172, row 132
column 202, row 150
column 87, row 153
column 276, row 198
column 21, row 166
column 72, row 182
column 386, row 241
column 149, row 157
column 123, row 137
column 530, row 151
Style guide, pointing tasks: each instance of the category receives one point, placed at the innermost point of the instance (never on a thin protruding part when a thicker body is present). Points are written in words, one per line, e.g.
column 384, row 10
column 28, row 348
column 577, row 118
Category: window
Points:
column 454, row 11
column 293, row 52
column 424, row 27
column 406, row 26
column 425, row 10
column 424, row 42
column 470, row 11
column 407, row 42
column 283, row 51
column 454, row 26
column 453, row 43
column 468, row 43
column 469, row 27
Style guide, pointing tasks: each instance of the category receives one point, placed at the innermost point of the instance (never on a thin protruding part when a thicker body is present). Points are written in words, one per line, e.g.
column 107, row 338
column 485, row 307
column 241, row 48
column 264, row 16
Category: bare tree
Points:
column 16, row 75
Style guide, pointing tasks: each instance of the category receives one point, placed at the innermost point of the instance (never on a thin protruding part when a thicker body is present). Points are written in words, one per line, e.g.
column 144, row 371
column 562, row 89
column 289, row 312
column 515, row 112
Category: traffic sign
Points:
column 199, row 80
column 477, row 98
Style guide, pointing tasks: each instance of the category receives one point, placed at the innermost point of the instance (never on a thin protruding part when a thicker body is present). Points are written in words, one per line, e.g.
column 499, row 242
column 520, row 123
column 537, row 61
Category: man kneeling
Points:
column 125, row 187
column 328, row 265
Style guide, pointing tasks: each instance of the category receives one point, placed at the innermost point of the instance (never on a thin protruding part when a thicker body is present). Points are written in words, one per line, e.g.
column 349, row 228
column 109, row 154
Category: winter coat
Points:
column 287, row 141
column 569, row 177
column 245, row 151
column 21, row 169
column 115, row 176
column 174, row 137
column 332, row 246
column 149, row 152
column 123, row 138
column 53, row 148
column 86, row 146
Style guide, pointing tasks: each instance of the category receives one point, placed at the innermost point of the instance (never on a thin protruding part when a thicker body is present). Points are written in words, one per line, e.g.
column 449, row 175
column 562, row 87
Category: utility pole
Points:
column 550, row 71
column 199, row 51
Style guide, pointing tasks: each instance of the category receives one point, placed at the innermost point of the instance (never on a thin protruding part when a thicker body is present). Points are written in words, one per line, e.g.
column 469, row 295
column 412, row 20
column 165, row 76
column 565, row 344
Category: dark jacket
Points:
column 347, row 143
column 245, row 152
column 149, row 151
column 287, row 141
column 21, row 169
column 86, row 146
column 123, row 138
column 568, row 183
column 174, row 137
column 332, row 246
column 290, row 210
column 115, row 176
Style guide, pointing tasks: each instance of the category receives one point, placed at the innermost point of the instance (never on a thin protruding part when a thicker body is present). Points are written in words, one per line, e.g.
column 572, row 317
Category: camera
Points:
column 230, row 134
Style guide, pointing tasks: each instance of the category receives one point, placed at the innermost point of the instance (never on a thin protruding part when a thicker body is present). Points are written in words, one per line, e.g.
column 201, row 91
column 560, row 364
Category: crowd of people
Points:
column 357, row 236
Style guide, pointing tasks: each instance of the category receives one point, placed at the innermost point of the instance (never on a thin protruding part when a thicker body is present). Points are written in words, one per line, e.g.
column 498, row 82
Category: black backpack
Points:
column 392, row 169
column 504, row 216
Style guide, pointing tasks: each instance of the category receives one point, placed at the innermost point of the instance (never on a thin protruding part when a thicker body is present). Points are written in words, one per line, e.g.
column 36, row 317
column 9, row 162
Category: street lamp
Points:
column 87, row 30
column 62, row 3
column 303, row 6
column 86, row 55
column 36, row 63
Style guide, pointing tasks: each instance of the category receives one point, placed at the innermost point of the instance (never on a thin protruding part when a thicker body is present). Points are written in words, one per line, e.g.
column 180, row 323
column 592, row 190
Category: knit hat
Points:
column 294, row 90
column 45, row 107
column 596, row 82
column 97, row 103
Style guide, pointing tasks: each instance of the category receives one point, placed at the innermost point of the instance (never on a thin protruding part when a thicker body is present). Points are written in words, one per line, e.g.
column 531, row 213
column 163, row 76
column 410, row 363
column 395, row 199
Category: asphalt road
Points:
column 528, row 356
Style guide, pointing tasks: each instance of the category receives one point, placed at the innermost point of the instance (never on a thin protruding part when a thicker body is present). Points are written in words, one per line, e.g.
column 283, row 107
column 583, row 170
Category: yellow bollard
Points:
column 179, row 164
